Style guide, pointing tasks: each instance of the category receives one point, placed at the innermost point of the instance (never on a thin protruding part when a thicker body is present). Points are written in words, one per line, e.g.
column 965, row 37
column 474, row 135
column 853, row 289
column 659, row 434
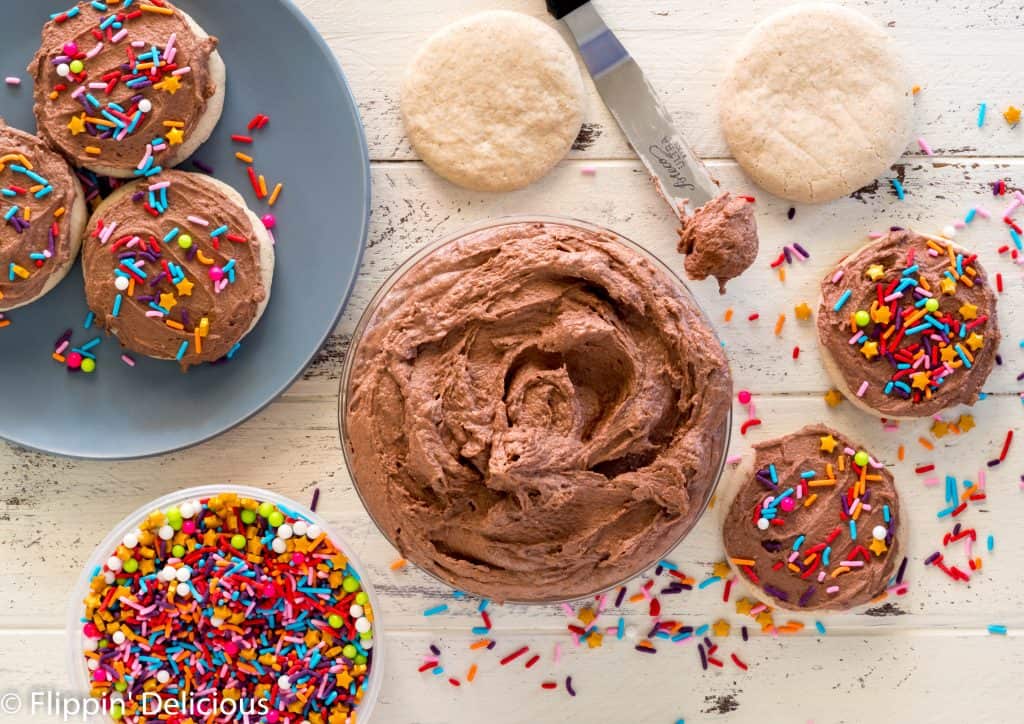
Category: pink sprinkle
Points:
column 733, row 459
column 95, row 51
column 757, row 609
column 837, row 276
column 154, row 313
column 832, row 589
column 862, row 389
column 925, row 147
column 852, row 564
column 588, row 171
column 160, row 185
column 558, row 652
column 568, row 610
column 855, row 338
column 63, row 346
column 981, row 480
column 875, row 235
column 120, row 35
column 145, row 157
column 182, row 71
column 983, row 212
column 931, row 481
column 197, row 220
column 13, row 80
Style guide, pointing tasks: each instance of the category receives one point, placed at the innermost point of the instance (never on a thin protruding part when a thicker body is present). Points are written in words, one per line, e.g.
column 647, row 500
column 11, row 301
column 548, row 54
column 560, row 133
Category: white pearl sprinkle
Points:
column 121, row 283
column 118, row 637
column 284, row 532
column 63, row 70
column 279, row 546
column 763, row 523
column 300, row 527
column 145, row 105
column 163, row 676
column 114, row 564
column 184, row 574
column 183, row 590
column 187, row 510
column 362, row 625
column 130, row 540
column 355, row 611
column 313, row 532
column 166, row 532
column 878, row 532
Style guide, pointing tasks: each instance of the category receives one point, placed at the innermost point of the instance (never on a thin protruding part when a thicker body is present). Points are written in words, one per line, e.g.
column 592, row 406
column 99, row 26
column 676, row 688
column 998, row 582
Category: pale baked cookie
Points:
column 811, row 522
column 178, row 267
column 816, row 103
column 44, row 214
column 493, row 101
column 127, row 90
column 908, row 326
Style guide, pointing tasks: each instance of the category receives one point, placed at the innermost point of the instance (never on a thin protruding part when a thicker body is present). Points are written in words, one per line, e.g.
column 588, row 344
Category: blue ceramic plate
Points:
column 277, row 65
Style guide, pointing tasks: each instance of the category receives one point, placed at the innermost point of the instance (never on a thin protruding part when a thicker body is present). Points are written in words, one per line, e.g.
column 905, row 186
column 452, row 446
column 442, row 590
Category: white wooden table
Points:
column 926, row 656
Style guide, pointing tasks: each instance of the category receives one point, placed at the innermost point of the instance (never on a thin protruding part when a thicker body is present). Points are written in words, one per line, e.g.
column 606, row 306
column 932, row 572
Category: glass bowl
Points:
column 699, row 505
column 79, row 672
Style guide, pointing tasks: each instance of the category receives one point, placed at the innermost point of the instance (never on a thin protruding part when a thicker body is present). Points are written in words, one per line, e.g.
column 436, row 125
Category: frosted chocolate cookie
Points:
column 908, row 325
column 813, row 522
column 44, row 215
column 178, row 267
column 125, row 90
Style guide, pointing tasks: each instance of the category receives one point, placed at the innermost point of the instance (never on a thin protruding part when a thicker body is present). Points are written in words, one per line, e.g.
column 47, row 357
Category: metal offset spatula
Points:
column 677, row 172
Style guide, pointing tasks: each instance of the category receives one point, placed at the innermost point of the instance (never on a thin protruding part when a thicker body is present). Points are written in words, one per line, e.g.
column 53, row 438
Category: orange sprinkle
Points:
column 243, row 157
column 399, row 563
column 471, row 674
column 174, row 325
column 915, row 90
column 263, row 186
column 742, row 561
column 7, row 323
column 94, row 150
column 925, row 443
column 28, row 213
column 155, row 9
column 728, row 314
column 275, row 194
column 58, row 213
column 482, row 643
column 782, row 273
column 779, row 324
column 198, row 340
column 810, row 499
column 174, row 124
column 901, row 453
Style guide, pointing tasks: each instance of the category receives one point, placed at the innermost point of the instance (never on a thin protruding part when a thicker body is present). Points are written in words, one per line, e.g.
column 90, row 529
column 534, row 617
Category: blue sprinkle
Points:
column 620, row 630
column 842, row 300
column 668, row 565
column 234, row 350
column 998, row 629
column 990, row 542
column 981, row 114
column 436, row 610
column 820, row 626
column 172, row 235
column 117, row 305
column 799, row 542
column 900, row 193
column 708, row 581
column 181, row 350
column 1016, row 239
column 219, row 230
column 853, row 529
column 970, row 216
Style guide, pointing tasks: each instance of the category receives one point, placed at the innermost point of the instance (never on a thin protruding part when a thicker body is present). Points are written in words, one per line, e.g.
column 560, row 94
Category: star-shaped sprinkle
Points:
column 828, row 443
column 175, row 136
column 947, row 286
column 921, row 380
column 940, row 429
column 743, row 606
column 167, row 301
column 881, row 315
column 343, row 679
column 875, row 272
column 869, row 349
column 833, row 397
column 947, row 353
column 77, row 125
column 722, row 569
column 764, row 618
column 1012, row 115
column 184, row 288
column 965, row 423
column 969, row 311
column 721, row 627
column 975, row 341
column 171, row 84
column 878, row 546
column 802, row 311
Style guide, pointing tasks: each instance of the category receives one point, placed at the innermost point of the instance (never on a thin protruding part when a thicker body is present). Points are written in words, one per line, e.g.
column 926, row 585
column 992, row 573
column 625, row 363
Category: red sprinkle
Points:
column 241, row 139
column 1006, row 445
column 920, row 469
column 736, row 660
column 796, row 352
column 533, row 660
column 549, row 685
column 999, row 282
column 752, row 422
column 514, row 655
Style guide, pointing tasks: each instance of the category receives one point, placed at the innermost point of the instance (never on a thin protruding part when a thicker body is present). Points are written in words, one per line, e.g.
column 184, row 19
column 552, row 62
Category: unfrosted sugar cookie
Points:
column 816, row 103
column 493, row 101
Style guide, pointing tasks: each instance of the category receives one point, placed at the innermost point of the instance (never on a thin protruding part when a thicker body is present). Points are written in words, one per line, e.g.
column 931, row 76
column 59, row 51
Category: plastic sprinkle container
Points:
column 225, row 600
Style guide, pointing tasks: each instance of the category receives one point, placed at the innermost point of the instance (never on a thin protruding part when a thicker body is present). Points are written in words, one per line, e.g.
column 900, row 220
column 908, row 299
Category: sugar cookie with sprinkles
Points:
column 813, row 522
column 177, row 267
column 908, row 325
column 234, row 604
column 127, row 88
column 44, row 215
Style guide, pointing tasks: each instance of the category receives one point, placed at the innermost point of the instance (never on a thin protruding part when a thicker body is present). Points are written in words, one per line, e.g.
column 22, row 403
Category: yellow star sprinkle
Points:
column 921, row 380
column 721, row 627
column 878, row 546
column 947, row 285
column 975, row 341
column 828, row 443
column 833, row 397
column 77, row 125
column 869, row 349
column 969, row 311
column 167, row 301
column 743, row 606
column 722, row 569
column 1012, row 115
column 940, row 429
column 764, row 618
column 184, row 288
column 175, row 136
column 965, row 423
column 881, row 315
column 802, row 311
column 875, row 272
column 947, row 353
column 170, row 84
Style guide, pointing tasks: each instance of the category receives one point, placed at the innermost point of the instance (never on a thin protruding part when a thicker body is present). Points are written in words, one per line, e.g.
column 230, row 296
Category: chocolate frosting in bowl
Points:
column 788, row 530
column 39, row 195
column 73, row 116
column 535, row 411
column 915, row 361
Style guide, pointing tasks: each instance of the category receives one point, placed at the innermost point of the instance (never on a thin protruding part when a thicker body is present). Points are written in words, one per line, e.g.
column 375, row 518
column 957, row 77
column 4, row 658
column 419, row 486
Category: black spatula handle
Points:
column 561, row 8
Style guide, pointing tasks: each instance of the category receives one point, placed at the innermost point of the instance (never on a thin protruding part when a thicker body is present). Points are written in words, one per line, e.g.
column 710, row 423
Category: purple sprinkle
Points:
column 803, row 252
column 316, row 499
column 138, row 196
column 621, row 595
column 703, row 657
column 773, row 591
column 568, row 686
column 645, row 650
column 788, row 254
column 807, row 596
column 743, row 630
column 999, row 360
column 63, row 338
column 436, row 651
column 202, row 166
column 932, row 558
column 791, row 213
column 993, row 463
